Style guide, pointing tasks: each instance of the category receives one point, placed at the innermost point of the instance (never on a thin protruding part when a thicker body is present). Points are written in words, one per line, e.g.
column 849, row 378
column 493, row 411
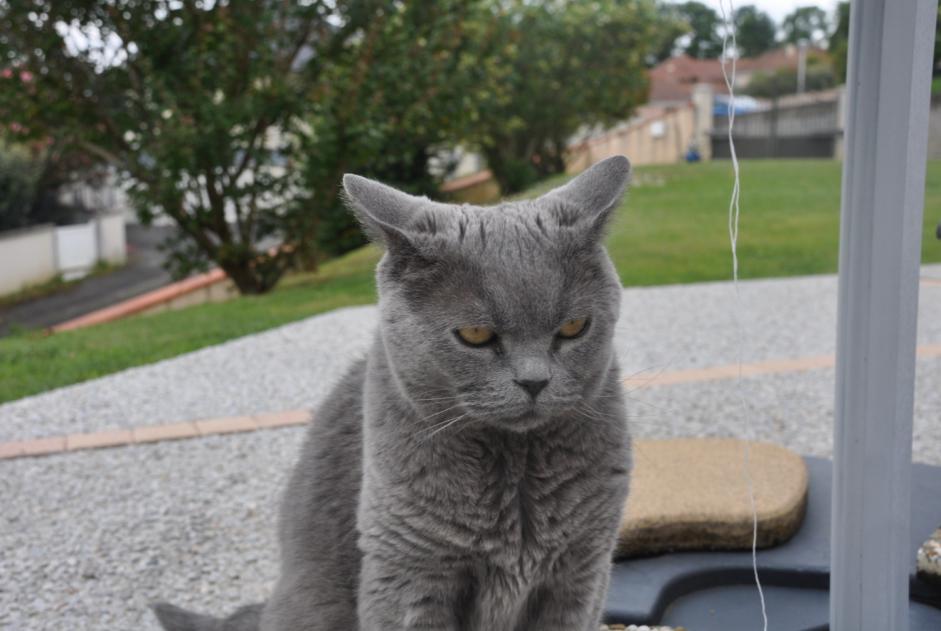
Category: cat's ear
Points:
column 384, row 212
column 594, row 193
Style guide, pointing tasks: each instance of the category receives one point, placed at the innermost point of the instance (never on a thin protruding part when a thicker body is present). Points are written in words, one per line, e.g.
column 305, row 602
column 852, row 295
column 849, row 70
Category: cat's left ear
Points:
column 384, row 212
column 593, row 194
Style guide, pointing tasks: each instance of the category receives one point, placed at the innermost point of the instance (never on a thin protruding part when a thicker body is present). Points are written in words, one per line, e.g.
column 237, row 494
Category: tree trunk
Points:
column 253, row 275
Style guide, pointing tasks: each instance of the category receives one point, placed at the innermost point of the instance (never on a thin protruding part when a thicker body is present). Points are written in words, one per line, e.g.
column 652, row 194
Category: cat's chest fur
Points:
column 504, row 502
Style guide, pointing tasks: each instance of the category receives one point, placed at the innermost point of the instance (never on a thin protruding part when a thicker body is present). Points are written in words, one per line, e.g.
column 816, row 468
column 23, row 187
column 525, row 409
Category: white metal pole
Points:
column 888, row 80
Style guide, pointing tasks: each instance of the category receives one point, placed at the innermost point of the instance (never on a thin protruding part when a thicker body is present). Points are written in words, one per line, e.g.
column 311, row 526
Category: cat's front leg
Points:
column 396, row 595
column 573, row 599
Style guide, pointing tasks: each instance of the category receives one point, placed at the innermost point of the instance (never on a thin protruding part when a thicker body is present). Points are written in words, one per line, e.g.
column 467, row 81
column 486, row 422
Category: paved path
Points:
column 87, row 539
column 142, row 273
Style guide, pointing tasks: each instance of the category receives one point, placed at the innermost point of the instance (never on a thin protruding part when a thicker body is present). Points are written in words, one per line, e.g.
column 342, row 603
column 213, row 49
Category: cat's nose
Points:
column 532, row 386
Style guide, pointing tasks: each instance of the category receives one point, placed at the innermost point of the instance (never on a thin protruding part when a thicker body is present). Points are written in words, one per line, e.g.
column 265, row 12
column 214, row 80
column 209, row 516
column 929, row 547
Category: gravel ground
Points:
column 293, row 366
column 91, row 538
column 88, row 539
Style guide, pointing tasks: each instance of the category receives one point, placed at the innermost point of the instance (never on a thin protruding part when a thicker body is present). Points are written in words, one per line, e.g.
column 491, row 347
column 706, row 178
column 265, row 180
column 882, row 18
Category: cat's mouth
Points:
column 529, row 420
column 518, row 416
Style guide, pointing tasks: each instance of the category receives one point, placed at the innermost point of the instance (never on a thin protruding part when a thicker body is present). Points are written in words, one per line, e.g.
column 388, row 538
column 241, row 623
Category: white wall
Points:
column 27, row 257
column 35, row 255
column 76, row 249
column 112, row 245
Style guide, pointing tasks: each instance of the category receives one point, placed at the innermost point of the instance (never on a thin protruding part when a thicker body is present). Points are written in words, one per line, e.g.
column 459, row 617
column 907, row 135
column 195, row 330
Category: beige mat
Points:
column 692, row 494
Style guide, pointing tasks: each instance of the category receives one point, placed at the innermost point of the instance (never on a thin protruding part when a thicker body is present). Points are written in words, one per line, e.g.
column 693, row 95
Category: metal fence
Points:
column 805, row 126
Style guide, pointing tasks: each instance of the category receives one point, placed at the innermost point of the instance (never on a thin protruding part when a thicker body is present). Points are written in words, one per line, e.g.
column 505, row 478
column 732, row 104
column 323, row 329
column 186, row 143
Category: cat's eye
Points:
column 476, row 335
column 573, row 328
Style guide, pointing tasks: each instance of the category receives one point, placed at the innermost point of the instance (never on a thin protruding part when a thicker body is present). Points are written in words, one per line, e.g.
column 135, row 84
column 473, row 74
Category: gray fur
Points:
column 432, row 491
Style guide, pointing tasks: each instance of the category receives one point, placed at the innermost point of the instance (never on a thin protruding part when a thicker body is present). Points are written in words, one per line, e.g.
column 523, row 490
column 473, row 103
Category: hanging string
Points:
column 728, row 41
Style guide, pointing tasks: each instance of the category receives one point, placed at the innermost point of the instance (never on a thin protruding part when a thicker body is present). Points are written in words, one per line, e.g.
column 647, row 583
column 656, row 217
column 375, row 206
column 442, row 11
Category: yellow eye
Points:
column 476, row 335
column 573, row 328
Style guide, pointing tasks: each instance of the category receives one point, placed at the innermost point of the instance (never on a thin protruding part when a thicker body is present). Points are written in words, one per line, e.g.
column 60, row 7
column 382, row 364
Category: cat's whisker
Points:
column 644, row 370
column 434, row 414
column 441, row 427
column 438, row 424
column 634, row 419
column 436, row 398
column 627, row 396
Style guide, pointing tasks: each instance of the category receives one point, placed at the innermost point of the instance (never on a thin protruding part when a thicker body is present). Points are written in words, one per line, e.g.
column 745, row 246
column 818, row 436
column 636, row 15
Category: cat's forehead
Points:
column 509, row 265
column 519, row 231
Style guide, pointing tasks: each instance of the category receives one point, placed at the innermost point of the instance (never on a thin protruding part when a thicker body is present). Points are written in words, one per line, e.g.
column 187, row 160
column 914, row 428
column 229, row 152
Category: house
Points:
column 672, row 81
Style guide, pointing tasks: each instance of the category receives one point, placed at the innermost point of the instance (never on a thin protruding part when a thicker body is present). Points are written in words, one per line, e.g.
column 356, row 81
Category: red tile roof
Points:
column 673, row 79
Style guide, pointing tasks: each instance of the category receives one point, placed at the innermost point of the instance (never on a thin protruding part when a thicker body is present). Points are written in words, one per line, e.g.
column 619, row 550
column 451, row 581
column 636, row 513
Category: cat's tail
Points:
column 173, row 618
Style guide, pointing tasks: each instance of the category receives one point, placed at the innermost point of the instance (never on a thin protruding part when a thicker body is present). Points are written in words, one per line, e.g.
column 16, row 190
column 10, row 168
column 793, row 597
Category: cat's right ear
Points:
column 384, row 212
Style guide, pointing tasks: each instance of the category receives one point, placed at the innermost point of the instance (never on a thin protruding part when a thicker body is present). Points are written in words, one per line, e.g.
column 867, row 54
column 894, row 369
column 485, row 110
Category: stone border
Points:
column 151, row 434
column 143, row 302
column 732, row 371
column 238, row 424
column 165, row 294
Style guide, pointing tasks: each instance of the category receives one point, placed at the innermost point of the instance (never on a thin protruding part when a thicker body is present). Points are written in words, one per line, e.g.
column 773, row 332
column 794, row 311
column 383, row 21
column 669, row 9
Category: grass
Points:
column 672, row 229
column 32, row 362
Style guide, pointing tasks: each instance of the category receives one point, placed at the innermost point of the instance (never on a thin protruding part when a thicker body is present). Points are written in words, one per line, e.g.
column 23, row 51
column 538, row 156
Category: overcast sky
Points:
column 776, row 8
column 779, row 8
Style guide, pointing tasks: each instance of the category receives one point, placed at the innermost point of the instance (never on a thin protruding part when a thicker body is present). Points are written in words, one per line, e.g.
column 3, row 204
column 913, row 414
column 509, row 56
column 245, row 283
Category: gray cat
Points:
column 470, row 473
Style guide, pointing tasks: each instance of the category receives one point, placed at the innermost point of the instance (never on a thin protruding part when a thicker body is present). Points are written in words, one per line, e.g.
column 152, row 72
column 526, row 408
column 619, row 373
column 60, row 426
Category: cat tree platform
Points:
column 715, row 590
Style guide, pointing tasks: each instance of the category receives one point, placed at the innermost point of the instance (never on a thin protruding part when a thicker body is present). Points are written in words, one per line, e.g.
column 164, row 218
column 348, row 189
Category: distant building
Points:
column 672, row 81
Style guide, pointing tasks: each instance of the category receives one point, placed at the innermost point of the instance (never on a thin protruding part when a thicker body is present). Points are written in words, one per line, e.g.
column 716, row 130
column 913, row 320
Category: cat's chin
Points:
column 524, row 423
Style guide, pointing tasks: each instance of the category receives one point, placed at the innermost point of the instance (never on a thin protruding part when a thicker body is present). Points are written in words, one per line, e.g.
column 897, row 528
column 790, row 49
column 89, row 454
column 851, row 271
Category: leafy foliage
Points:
column 386, row 107
column 567, row 65
column 32, row 177
column 18, row 176
column 755, row 31
column 784, row 81
column 195, row 103
column 806, row 24
column 839, row 42
column 237, row 119
column 672, row 27
column 705, row 41
column 838, row 45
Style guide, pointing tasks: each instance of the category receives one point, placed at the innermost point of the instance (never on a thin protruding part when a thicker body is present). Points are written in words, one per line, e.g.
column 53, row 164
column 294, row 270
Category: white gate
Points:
column 76, row 249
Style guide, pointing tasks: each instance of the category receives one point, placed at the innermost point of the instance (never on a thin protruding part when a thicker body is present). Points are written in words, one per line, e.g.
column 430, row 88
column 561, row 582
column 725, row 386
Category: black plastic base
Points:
column 715, row 591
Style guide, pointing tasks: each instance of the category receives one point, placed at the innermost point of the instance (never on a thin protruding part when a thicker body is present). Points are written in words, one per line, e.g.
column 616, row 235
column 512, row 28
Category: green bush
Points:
column 18, row 177
column 820, row 76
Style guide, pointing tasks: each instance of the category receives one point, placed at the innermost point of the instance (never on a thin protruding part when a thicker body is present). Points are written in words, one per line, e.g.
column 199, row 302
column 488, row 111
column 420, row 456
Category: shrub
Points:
column 18, row 176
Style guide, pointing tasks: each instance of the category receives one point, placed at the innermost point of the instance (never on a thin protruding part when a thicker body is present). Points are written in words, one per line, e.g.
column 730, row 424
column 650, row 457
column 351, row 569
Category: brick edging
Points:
column 145, row 301
column 150, row 299
column 770, row 367
column 238, row 424
column 151, row 434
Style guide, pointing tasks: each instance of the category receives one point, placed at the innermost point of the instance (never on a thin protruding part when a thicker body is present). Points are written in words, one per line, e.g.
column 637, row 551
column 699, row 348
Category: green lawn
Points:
column 672, row 229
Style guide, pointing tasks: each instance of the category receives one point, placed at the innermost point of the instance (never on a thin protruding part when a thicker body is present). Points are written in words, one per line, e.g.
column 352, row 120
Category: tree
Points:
column 238, row 119
column 839, row 42
column 32, row 177
column 386, row 108
column 838, row 45
column 18, row 176
column 672, row 27
column 754, row 31
column 781, row 82
column 806, row 24
column 565, row 65
column 196, row 103
column 705, row 42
